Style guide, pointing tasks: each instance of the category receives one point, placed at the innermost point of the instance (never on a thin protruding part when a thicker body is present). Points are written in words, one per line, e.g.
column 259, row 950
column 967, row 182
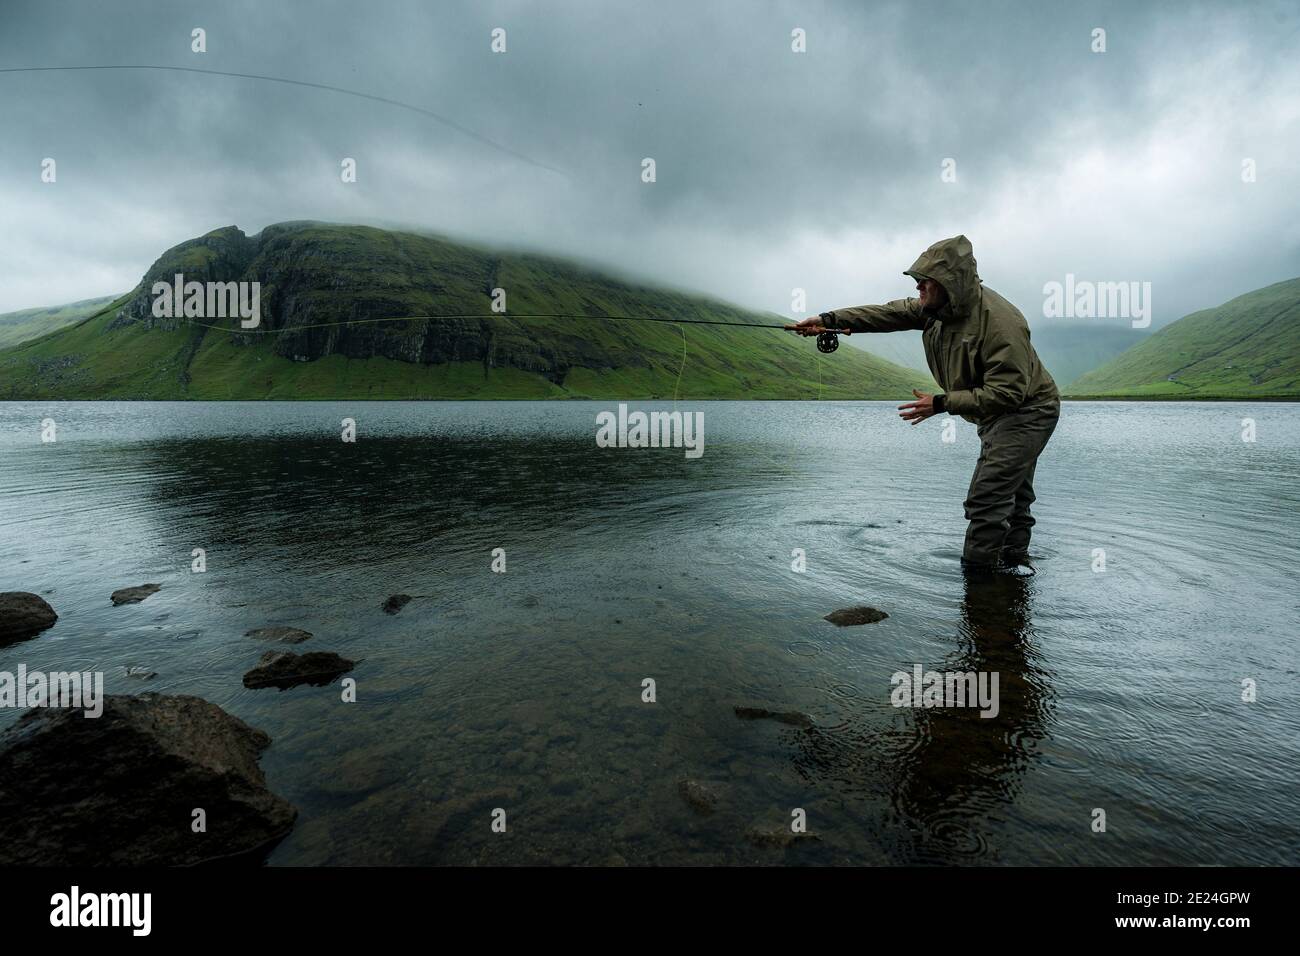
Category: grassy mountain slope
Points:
column 1246, row 348
column 27, row 324
column 324, row 286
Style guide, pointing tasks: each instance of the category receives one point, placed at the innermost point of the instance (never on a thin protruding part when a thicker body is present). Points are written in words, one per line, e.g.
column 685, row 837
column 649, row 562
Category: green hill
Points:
column 28, row 324
column 332, row 298
column 1246, row 348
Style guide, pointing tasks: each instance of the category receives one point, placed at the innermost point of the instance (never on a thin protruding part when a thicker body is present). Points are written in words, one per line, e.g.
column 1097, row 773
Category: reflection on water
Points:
column 962, row 766
column 522, row 690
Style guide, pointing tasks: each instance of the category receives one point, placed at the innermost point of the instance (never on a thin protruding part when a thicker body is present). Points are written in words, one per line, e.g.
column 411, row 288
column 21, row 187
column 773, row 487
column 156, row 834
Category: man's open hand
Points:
column 919, row 410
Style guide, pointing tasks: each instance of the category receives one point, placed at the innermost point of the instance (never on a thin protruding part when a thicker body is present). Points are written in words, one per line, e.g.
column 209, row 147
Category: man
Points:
column 977, row 346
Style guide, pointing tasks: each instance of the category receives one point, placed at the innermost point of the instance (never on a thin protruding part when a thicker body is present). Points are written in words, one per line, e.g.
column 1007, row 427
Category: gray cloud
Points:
column 775, row 170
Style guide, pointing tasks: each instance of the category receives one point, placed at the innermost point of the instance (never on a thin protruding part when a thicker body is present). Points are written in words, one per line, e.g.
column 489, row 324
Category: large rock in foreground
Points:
column 23, row 615
column 122, row 788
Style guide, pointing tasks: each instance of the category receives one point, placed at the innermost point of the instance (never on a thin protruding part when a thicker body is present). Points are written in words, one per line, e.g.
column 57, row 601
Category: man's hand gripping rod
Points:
column 828, row 340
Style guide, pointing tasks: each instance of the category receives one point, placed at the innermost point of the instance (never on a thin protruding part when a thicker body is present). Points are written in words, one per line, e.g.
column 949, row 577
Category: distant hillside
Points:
column 1246, row 348
column 1072, row 349
column 29, row 324
column 1068, row 349
column 325, row 289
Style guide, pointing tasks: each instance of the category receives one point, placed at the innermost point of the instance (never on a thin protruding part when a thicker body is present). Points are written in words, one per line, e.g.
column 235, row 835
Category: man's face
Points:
column 931, row 294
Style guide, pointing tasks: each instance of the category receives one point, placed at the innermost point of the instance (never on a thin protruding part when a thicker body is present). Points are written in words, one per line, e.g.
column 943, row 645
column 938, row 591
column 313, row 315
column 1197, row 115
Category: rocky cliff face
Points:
column 220, row 256
column 325, row 290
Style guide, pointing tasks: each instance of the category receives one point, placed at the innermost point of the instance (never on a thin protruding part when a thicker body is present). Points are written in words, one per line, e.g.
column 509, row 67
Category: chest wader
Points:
column 1002, row 488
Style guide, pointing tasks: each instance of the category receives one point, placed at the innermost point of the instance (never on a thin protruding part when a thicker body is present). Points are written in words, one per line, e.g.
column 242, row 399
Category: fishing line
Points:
column 315, row 86
column 827, row 341
column 680, row 370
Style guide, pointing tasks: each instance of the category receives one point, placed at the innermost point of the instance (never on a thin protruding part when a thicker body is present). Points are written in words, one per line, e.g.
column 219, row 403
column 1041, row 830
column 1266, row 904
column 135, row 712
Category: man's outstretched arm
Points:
column 896, row 316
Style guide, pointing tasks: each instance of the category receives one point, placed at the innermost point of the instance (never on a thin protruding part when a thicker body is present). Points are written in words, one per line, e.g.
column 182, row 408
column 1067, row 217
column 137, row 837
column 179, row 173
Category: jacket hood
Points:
column 951, row 263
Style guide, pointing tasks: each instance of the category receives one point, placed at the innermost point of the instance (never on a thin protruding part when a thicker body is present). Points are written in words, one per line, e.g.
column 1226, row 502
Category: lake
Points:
column 1120, row 689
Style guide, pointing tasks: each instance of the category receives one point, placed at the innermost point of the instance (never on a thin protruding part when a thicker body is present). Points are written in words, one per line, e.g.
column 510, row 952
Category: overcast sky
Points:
column 775, row 169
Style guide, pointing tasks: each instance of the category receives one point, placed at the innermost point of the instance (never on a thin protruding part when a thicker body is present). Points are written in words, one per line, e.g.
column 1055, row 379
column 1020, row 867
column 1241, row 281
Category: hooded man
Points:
column 977, row 346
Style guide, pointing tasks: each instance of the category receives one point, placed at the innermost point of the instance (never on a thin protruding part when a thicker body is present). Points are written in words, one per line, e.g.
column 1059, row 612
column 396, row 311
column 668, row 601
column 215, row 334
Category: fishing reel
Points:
column 828, row 341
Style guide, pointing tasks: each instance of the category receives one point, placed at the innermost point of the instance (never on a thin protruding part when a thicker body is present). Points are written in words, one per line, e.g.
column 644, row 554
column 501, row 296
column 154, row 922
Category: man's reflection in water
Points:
column 948, row 772
column 963, row 769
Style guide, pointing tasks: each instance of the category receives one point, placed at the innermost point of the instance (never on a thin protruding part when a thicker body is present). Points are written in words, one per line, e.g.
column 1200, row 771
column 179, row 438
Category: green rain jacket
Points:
column 977, row 345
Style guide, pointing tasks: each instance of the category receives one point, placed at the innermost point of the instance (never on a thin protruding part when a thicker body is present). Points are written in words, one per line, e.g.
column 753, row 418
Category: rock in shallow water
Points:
column 396, row 602
column 285, row 635
column 778, row 837
column 23, row 615
column 851, row 616
column 134, row 595
column 791, row 717
column 702, row 797
column 120, row 789
column 285, row 669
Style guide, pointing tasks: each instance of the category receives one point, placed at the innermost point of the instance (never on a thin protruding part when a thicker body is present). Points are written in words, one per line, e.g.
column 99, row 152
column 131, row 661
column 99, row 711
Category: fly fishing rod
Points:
column 827, row 339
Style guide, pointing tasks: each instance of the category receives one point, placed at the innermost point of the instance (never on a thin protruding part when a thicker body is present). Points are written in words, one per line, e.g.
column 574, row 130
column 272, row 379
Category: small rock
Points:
column 23, row 615
column 285, row 635
column 285, row 669
column 700, row 796
column 778, row 837
column 140, row 673
column 851, row 616
column 134, row 595
column 396, row 602
column 791, row 717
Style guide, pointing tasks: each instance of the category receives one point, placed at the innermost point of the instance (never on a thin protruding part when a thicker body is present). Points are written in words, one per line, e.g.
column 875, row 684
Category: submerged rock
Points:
column 367, row 769
column 121, row 789
column 702, row 798
column 285, row 669
column 396, row 602
column 134, row 595
column 851, row 616
column 23, row 615
column 285, row 635
column 791, row 717
column 140, row 673
column 779, row 837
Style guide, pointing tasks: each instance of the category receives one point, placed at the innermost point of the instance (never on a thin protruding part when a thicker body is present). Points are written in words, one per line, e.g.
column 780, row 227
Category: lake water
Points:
column 1119, row 690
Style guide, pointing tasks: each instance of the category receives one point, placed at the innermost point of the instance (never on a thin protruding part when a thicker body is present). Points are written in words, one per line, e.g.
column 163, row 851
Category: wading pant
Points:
column 1002, row 488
